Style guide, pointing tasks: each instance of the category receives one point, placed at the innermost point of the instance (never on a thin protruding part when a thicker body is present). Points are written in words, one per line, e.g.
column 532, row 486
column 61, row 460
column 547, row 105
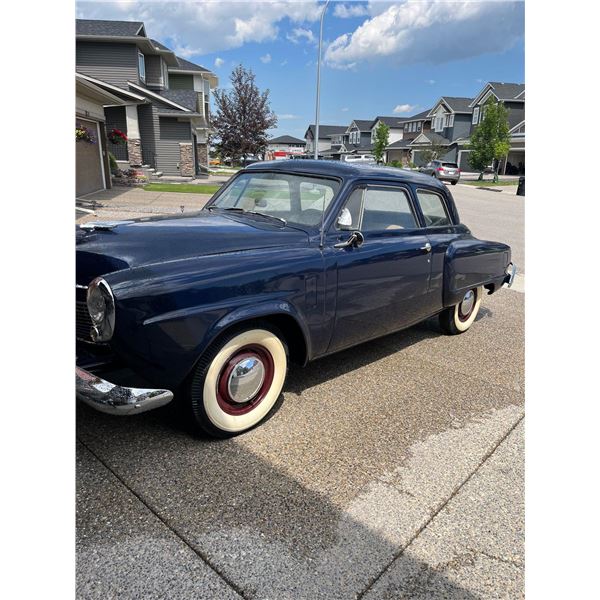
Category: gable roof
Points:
column 502, row 91
column 186, row 65
column 432, row 138
column 456, row 104
column 325, row 130
column 418, row 117
column 393, row 122
column 288, row 139
column 109, row 28
column 362, row 124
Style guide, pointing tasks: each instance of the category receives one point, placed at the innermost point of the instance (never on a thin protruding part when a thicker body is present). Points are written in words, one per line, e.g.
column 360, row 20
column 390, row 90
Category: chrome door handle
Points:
column 426, row 248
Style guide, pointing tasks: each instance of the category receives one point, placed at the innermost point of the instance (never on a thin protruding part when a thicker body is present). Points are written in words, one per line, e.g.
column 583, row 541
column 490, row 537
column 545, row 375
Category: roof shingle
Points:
column 108, row 28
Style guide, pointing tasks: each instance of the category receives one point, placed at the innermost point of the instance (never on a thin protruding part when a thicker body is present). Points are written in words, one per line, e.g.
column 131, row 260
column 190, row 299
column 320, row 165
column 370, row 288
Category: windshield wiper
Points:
column 280, row 219
column 233, row 208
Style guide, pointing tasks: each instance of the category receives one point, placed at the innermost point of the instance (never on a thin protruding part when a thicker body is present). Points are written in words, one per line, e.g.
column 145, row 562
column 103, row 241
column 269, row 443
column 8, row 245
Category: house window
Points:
column 142, row 66
column 451, row 120
column 419, row 126
column 475, row 115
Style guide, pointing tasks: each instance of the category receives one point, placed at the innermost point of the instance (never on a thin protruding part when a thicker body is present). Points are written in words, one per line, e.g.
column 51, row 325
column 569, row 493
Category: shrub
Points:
column 112, row 161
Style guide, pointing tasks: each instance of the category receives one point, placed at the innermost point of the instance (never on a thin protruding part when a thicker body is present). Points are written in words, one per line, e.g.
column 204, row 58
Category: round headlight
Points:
column 101, row 306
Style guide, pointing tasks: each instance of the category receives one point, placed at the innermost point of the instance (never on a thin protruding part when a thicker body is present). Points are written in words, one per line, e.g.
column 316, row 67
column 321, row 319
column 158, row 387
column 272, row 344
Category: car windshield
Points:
column 296, row 199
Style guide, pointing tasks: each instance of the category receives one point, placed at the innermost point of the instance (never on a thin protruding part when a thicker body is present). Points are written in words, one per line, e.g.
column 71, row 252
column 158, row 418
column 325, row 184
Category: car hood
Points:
column 109, row 248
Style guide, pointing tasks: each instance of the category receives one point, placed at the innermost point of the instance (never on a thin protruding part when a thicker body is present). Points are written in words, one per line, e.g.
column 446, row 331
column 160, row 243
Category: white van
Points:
column 361, row 158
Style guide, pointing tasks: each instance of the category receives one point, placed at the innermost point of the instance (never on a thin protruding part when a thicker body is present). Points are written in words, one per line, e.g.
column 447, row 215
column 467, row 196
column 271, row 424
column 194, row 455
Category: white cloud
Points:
column 347, row 11
column 299, row 33
column 196, row 28
column 430, row 81
column 345, row 109
column 219, row 62
column 283, row 62
column 431, row 32
column 288, row 117
column 266, row 58
column 404, row 108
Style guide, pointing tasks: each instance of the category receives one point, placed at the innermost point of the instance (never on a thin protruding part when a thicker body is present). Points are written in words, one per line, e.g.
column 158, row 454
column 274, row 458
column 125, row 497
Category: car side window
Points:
column 433, row 209
column 387, row 209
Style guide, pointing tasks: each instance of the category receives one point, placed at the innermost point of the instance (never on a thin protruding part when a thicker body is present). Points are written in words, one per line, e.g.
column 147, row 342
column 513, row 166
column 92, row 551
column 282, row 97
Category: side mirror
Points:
column 355, row 240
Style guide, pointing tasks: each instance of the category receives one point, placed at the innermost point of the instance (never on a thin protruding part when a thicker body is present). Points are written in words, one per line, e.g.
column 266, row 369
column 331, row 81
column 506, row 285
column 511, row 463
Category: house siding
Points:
column 113, row 63
column 461, row 128
column 116, row 119
column 181, row 82
column 148, row 124
column 170, row 133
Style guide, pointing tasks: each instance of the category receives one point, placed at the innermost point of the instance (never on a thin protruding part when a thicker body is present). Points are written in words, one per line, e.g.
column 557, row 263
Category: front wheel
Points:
column 457, row 319
column 237, row 384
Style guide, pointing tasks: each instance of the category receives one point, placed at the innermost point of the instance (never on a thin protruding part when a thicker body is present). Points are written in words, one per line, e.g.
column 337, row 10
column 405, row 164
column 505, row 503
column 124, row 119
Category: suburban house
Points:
column 283, row 146
column 396, row 128
column 400, row 150
column 512, row 95
column 160, row 101
column 326, row 135
column 91, row 154
column 450, row 123
column 358, row 137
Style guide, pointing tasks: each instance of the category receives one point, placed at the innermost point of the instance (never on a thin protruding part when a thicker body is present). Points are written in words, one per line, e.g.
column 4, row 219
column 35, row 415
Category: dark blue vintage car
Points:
column 290, row 261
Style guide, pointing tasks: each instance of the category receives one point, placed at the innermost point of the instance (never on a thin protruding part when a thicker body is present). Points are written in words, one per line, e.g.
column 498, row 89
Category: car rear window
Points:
column 433, row 209
column 451, row 165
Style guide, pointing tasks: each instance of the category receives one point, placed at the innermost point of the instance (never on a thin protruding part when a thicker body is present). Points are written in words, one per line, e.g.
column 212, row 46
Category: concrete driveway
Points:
column 392, row 470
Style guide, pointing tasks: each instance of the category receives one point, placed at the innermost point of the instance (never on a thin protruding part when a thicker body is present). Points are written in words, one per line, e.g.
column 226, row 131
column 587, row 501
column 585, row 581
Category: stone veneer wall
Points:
column 134, row 151
column 202, row 154
column 186, row 160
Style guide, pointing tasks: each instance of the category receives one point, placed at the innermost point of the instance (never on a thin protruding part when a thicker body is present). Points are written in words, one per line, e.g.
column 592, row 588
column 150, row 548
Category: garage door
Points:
column 88, row 166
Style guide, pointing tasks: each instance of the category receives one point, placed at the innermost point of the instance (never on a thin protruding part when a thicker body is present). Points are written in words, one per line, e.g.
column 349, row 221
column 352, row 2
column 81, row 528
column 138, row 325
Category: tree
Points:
column 243, row 117
column 432, row 152
column 490, row 142
column 382, row 140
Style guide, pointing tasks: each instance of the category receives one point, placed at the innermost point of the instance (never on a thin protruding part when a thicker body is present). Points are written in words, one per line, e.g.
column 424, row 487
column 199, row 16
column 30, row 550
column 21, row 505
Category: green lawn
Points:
column 188, row 188
column 490, row 183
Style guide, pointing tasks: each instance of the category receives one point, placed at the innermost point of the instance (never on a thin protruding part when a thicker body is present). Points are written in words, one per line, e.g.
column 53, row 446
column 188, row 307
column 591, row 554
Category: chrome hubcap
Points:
column 466, row 306
column 246, row 379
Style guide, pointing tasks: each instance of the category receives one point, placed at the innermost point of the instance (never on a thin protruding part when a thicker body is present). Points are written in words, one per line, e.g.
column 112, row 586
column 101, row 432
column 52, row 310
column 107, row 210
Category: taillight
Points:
column 440, row 168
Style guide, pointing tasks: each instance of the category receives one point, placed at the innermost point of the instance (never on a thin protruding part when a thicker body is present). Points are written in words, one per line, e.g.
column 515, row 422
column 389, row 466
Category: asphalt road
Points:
column 392, row 470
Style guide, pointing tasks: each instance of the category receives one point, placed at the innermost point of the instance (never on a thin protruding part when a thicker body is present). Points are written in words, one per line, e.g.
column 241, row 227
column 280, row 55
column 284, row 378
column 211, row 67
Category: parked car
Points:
column 360, row 158
column 442, row 170
column 290, row 261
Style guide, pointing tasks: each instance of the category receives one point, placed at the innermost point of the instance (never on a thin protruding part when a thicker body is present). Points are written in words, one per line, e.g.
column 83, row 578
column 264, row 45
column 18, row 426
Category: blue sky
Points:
column 380, row 58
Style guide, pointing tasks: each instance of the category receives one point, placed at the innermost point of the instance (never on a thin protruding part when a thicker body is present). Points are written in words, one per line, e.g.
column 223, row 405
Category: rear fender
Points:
column 472, row 263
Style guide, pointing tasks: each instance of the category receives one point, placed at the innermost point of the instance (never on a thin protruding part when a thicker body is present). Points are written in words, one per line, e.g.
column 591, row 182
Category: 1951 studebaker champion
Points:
column 289, row 261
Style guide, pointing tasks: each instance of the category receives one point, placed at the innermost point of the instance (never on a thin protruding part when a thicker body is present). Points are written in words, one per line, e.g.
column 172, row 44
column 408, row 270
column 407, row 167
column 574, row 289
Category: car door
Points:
column 383, row 279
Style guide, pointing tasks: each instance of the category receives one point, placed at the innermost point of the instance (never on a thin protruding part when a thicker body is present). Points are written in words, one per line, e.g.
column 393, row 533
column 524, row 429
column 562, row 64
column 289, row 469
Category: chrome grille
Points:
column 83, row 322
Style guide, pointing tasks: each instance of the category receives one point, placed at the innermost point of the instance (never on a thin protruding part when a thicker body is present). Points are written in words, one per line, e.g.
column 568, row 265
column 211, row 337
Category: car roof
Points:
column 336, row 168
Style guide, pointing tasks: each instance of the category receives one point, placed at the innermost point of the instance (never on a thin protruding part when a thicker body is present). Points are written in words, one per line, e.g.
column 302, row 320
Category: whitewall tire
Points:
column 459, row 318
column 239, row 381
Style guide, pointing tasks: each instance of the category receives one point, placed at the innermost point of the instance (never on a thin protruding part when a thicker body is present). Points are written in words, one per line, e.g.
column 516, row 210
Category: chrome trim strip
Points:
column 115, row 399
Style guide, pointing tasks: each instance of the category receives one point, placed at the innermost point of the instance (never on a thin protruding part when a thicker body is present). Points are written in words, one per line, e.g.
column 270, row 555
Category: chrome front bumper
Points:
column 114, row 399
column 511, row 271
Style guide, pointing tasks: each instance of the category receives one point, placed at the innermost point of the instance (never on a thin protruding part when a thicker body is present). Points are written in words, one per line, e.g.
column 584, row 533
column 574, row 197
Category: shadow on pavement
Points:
column 261, row 530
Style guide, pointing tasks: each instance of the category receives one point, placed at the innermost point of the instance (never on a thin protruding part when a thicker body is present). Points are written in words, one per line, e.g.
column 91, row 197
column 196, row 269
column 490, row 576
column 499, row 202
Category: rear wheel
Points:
column 457, row 319
column 454, row 182
column 238, row 383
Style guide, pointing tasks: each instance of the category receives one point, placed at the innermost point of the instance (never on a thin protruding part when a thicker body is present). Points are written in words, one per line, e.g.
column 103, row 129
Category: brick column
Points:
column 186, row 160
column 134, row 150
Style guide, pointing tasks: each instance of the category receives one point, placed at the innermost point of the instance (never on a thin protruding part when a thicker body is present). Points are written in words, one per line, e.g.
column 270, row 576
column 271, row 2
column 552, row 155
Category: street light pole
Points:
column 319, row 83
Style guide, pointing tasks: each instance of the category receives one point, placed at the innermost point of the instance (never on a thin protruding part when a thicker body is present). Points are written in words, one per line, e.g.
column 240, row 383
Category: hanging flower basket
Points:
column 83, row 134
column 117, row 137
